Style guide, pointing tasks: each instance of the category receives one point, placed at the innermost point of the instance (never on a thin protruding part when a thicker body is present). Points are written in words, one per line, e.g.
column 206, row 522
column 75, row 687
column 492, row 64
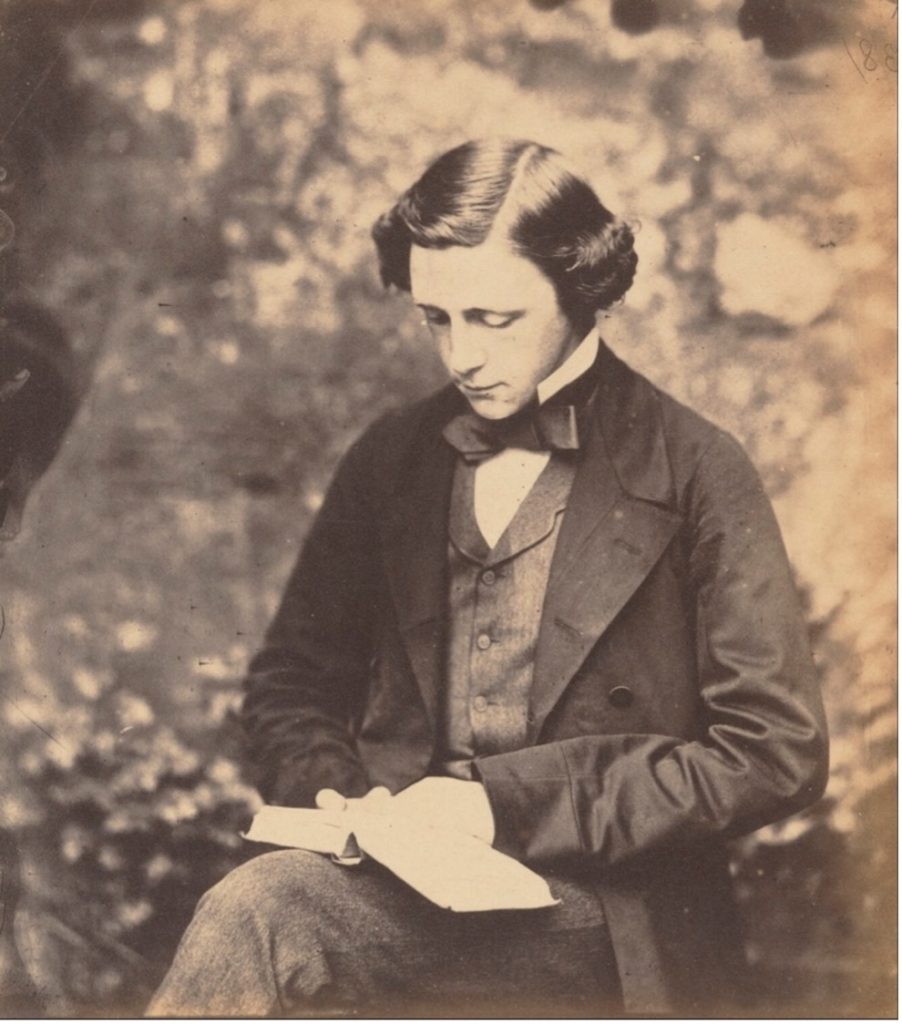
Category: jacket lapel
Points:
column 619, row 520
column 415, row 549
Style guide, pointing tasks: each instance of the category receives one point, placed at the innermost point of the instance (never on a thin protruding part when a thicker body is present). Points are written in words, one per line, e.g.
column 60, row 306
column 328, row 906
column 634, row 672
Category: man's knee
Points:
column 273, row 884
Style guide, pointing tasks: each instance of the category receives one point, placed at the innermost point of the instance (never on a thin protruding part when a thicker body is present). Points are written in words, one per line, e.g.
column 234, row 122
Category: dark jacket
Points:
column 674, row 702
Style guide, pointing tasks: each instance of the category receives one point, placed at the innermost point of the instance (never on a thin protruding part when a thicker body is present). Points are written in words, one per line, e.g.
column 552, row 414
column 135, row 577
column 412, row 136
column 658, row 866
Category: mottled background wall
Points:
column 192, row 185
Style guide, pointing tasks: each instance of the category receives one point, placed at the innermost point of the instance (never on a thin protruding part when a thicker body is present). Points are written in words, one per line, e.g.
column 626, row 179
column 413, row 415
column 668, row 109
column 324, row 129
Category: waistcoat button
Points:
column 483, row 641
column 621, row 697
column 480, row 703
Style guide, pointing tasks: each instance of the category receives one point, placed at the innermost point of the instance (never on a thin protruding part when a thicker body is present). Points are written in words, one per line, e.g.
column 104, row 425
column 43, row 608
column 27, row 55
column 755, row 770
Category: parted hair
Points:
column 550, row 215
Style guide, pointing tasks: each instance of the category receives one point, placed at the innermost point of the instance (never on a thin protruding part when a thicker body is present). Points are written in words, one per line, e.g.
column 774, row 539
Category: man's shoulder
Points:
column 686, row 429
column 647, row 406
column 402, row 433
column 704, row 457
column 403, row 424
column 688, row 438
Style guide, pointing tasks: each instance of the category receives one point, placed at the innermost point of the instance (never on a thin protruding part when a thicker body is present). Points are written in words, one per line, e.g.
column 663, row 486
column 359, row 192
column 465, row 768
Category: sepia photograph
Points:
column 448, row 509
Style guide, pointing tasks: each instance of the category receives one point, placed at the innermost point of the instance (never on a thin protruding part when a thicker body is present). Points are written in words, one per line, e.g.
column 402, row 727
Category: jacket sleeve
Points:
column 763, row 752
column 305, row 685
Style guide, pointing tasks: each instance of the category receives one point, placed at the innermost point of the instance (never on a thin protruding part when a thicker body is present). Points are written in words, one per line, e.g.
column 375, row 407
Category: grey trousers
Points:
column 293, row 933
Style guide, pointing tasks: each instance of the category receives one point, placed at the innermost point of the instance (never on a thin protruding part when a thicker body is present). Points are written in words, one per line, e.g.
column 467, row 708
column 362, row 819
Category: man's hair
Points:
column 550, row 215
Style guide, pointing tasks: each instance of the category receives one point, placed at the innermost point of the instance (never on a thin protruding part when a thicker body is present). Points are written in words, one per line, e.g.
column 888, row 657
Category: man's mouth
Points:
column 472, row 389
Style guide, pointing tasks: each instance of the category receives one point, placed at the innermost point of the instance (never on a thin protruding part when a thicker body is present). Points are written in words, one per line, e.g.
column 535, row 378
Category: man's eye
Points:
column 498, row 320
column 436, row 318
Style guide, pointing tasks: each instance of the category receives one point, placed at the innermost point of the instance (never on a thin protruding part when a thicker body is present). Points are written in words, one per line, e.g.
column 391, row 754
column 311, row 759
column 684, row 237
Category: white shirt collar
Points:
column 576, row 364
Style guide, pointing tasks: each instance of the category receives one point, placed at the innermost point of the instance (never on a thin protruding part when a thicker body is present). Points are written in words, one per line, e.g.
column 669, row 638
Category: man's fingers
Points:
column 330, row 800
column 377, row 794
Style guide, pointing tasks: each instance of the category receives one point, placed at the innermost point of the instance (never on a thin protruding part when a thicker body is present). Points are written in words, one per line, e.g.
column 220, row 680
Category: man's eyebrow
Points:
column 430, row 310
column 481, row 311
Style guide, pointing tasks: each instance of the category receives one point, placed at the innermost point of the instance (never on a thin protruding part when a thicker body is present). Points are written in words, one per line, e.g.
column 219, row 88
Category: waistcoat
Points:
column 495, row 599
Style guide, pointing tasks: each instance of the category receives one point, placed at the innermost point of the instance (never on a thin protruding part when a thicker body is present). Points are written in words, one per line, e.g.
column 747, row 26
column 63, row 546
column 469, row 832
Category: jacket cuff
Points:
column 530, row 796
column 296, row 785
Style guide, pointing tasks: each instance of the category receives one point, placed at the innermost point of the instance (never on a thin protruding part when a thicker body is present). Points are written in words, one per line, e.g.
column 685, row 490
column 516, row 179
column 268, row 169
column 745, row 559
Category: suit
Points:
column 674, row 703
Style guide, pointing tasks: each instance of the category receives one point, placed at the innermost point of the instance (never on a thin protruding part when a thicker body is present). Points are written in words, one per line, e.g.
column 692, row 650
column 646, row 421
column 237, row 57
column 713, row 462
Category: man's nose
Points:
column 466, row 350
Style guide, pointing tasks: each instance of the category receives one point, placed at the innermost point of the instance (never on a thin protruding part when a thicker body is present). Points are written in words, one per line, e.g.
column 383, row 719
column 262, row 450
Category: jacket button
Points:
column 621, row 697
column 480, row 703
column 483, row 641
column 489, row 577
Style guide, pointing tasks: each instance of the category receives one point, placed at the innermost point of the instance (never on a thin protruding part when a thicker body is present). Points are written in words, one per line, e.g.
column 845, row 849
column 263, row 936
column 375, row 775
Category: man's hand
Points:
column 448, row 803
column 435, row 800
column 332, row 800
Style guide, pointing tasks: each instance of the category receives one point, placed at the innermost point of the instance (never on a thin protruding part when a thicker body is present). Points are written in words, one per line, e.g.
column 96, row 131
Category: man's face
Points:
column 496, row 320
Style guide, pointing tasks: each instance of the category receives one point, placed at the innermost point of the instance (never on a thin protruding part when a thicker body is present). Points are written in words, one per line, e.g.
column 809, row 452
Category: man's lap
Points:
column 357, row 936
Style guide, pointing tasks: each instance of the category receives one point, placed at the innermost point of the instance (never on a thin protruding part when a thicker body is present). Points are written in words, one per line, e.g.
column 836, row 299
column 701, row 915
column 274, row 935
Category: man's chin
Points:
column 493, row 407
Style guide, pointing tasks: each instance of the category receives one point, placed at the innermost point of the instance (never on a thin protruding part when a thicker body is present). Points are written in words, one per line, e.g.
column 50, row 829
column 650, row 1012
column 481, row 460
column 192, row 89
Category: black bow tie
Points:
column 556, row 425
column 536, row 428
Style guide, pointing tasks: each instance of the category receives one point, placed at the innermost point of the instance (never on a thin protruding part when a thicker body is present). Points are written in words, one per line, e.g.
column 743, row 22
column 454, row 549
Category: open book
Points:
column 452, row 869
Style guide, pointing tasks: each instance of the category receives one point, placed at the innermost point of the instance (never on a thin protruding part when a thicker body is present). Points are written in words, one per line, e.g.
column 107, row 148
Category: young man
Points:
column 549, row 605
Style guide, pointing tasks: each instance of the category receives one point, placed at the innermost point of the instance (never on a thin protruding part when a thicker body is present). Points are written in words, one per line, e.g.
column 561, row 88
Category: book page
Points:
column 452, row 869
column 315, row 830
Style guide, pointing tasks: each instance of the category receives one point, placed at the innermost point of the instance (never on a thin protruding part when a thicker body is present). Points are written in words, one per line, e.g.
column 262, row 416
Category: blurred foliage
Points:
column 139, row 821
column 192, row 185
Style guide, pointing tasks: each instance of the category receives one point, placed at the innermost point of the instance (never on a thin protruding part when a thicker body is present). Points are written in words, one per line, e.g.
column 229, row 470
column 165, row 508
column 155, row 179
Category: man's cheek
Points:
column 444, row 353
